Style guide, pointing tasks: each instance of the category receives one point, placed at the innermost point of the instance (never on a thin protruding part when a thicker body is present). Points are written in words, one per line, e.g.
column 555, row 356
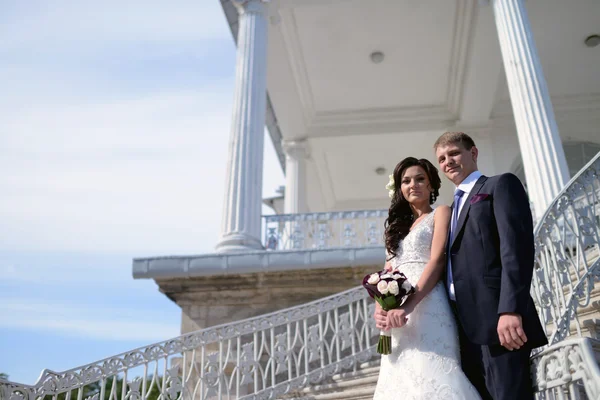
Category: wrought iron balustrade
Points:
column 567, row 370
column 324, row 230
column 258, row 358
column 567, row 242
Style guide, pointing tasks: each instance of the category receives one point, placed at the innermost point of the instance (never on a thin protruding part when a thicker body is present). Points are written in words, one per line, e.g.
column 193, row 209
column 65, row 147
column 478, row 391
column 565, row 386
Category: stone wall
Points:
column 215, row 300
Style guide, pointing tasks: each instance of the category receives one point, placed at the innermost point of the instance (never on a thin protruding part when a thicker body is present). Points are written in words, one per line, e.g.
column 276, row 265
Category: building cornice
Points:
column 173, row 267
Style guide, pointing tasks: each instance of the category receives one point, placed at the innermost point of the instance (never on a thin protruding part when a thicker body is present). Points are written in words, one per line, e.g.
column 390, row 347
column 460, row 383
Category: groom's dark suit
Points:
column 492, row 259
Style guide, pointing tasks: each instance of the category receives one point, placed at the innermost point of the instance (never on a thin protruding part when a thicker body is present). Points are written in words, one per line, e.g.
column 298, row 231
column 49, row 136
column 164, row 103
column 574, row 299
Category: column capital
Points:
column 297, row 149
column 251, row 6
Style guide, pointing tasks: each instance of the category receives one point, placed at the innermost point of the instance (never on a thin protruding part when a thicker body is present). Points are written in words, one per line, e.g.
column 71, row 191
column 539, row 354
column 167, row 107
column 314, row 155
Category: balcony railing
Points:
column 324, row 230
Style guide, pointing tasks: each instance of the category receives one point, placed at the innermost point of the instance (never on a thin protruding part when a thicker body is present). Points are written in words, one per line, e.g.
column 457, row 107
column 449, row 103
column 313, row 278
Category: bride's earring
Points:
column 432, row 198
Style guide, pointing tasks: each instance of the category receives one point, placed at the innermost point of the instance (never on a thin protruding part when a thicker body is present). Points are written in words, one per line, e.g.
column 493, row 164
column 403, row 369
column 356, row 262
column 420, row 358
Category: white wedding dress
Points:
column 425, row 359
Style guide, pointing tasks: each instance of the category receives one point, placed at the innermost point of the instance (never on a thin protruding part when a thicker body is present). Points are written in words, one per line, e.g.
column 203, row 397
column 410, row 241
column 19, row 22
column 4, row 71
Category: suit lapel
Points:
column 467, row 206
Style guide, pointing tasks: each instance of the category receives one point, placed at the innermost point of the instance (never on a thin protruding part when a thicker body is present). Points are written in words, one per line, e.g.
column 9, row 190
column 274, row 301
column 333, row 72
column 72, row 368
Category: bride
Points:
column 425, row 358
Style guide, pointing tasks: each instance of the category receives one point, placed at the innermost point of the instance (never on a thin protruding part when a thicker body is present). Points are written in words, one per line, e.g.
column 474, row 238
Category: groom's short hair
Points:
column 460, row 138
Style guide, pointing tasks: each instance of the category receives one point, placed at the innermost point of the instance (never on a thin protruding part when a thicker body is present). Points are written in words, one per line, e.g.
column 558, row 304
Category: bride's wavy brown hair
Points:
column 400, row 216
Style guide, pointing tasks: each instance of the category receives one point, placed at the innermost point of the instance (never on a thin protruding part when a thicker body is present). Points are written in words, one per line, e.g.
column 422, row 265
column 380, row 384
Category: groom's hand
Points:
column 510, row 331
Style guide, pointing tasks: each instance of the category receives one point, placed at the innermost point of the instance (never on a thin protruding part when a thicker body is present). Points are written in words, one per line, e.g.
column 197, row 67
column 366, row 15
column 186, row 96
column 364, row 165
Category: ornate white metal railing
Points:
column 324, row 230
column 259, row 358
column 567, row 254
column 567, row 370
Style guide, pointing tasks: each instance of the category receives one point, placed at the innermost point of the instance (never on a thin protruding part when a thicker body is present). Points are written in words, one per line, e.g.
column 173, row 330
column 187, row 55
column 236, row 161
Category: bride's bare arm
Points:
column 434, row 268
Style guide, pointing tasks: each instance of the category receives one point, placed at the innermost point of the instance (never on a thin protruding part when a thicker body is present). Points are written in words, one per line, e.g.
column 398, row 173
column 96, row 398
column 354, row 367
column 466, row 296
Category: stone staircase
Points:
column 355, row 385
column 588, row 315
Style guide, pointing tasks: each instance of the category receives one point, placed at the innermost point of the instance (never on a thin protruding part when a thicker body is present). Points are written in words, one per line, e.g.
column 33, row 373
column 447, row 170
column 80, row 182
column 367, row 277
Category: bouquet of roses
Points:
column 390, row 290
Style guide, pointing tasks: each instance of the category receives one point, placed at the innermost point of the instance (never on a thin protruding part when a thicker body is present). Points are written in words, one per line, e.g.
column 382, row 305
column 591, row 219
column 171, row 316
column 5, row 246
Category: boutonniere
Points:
column 479, row 197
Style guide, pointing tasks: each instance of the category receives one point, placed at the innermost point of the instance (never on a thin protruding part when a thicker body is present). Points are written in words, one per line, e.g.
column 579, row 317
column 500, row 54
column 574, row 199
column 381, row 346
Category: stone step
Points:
column 360, row 385
column 589, row 314
column 588, row 317
column 355, row 385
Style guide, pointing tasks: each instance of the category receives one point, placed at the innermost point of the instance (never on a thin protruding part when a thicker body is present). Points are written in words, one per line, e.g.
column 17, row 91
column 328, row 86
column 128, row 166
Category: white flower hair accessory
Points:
column 391, row 186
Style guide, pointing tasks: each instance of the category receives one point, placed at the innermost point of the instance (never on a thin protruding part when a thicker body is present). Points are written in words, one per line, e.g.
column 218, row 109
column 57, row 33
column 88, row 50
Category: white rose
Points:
column 373, row 279
column 382, row 286
column 396, row 276
column 406, row 285
column 385, row 276
column 393, row 288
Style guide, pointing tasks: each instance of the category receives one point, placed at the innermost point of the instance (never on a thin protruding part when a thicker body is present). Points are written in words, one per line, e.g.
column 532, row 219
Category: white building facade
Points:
column 347, row 88
column 356, row 86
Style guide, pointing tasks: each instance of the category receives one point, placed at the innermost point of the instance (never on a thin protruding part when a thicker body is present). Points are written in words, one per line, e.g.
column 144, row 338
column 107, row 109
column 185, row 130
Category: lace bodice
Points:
column 414, row 251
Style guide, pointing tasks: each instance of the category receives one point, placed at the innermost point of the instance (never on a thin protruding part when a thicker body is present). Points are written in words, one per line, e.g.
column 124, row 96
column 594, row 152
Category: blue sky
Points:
column 114, row 124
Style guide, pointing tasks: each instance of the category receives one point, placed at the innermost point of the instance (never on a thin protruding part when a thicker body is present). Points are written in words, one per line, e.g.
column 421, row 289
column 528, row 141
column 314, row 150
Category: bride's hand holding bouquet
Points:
column 390, row 289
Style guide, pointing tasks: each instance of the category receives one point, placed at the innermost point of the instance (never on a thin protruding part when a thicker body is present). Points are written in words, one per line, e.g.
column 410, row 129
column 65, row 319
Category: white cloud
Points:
column 95, row 164
column 59, row 273
column 143, row 174
column 9, row 272
column 61, row 24
column 135, row 174
column 161, row 120
column 116, row 324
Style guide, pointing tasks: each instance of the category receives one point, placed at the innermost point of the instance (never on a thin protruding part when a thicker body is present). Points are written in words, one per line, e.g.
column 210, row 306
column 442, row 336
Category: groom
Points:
column 489, row 269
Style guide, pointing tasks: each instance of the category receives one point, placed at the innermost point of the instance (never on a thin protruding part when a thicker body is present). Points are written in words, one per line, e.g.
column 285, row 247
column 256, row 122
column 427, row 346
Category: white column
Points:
column 544, row 159
column 296, row 153
column 241, row 228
